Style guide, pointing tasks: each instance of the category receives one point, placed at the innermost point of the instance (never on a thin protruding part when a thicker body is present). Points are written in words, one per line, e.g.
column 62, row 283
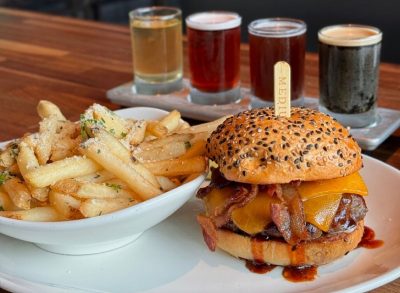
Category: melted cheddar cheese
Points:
column 320, row 198
column 352, row 183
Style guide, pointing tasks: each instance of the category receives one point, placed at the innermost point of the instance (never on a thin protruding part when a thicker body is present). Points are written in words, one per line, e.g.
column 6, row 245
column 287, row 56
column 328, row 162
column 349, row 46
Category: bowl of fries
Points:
column 97, row 184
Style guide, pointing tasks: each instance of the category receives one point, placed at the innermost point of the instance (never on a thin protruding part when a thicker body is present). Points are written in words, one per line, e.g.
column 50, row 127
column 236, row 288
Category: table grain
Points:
column 74, row 62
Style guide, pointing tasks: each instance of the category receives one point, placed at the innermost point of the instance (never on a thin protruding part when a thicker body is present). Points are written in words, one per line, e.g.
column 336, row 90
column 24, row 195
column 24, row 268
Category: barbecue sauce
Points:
column 259, row 267
column 299, row 274
column 292, row 273
column 368, row 240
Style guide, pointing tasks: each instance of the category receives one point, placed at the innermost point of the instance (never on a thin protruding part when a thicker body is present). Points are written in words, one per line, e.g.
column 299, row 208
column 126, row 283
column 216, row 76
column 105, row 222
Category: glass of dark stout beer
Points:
column 272, row 40
column 348, row 73
column 214, row 57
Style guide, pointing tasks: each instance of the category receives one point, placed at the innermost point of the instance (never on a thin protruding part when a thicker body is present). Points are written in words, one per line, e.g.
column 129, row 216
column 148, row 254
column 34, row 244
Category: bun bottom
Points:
column 314, row 252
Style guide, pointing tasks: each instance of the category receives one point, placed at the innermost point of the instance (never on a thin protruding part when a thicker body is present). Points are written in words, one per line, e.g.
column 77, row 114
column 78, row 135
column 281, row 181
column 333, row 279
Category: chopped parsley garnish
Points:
column 112, row 131
column 89, row 122
column 188, row 144
column 114, row 186
column 4, row 176
column 123, row 134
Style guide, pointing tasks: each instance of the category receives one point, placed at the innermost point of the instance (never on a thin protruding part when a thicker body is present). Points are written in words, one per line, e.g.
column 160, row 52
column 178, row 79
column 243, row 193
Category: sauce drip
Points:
column 299, row 274
column 368, row 240
column 259, row 267
column 257, row 250
column 297, row 255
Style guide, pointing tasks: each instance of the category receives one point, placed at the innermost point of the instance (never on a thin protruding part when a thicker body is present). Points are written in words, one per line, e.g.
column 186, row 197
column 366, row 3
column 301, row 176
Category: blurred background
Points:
column 383, row 14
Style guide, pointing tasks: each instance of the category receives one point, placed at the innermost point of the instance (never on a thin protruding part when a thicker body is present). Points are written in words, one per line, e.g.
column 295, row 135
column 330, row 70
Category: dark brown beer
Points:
column 348, row 73
column 273, row 40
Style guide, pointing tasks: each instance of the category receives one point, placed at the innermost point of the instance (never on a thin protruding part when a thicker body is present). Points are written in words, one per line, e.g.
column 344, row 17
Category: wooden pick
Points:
column 282, row 89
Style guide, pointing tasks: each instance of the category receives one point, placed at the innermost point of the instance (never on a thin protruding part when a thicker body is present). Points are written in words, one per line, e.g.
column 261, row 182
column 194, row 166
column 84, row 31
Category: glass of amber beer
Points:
column 272, row 40
column 214, row 57
column 156, row 34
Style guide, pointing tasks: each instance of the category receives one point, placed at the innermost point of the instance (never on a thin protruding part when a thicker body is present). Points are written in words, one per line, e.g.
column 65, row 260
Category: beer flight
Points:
column 349, row 57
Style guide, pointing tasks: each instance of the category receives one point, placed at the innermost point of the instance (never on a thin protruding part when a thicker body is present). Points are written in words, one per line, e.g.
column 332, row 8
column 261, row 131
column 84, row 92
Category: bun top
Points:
column 257, row 147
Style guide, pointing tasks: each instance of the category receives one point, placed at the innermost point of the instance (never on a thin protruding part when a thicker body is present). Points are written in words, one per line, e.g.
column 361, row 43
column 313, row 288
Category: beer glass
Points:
column 272, row 40
column 156, row 34
column 348, row 72
column 214, row 57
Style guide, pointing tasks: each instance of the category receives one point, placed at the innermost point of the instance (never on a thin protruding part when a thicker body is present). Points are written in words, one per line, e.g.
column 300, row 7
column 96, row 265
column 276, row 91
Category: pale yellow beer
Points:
column 156, row 47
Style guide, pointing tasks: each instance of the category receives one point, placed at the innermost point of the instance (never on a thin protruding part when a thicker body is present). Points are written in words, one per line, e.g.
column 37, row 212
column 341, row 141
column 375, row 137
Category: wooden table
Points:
column 74, row 62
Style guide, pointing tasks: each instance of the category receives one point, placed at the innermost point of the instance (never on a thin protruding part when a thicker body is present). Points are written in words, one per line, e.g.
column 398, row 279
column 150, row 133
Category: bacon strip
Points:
column 289, row 216
column 242, row 196
column 209, row 231
column 281, row 217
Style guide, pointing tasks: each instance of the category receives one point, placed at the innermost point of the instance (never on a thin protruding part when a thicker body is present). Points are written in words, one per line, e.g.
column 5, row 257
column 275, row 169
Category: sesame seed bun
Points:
column 256, row 147
column 314, row 252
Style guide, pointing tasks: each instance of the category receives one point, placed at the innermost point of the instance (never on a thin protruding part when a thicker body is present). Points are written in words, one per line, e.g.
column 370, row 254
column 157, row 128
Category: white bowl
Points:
column 106, row 232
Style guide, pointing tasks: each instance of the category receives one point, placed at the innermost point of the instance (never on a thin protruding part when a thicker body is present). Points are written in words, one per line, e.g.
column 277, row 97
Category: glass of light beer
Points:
column 272, row 40
column 214, row 57
column 156, row 34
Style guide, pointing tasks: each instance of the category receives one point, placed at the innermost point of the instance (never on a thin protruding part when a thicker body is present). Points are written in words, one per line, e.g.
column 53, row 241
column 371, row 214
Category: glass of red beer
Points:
column 272, row 40
column 214, row 57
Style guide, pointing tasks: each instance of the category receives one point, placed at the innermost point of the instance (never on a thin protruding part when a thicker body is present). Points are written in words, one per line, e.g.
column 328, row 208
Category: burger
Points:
column 286, row 191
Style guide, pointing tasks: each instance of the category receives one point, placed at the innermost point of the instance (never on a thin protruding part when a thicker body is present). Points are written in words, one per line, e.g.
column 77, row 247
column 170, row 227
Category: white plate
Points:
column 172, row 257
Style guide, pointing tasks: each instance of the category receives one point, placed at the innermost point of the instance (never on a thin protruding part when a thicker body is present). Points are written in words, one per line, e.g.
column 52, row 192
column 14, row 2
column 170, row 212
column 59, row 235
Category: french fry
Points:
column 177, row 167
column 64, row 148
column 67, row 186
column 136, row 132
column 18, row 193
column 171, row 121
column 98, row 177
column 106, row 190
column 98, row 152
column 118, row 149
column 40, row 214
column 66, row 205
column 160, row 142
column 168, row 151
column 112, row 123
column 6, row 203
column 47, row 131
column 182, row 125
column 26, row 162
column 91, row 190
column 208, row 127
column 45, row 109
column 197, row 149
column 8, row 155
column 31, row 139
column 156, row 128
column 166, row 183
column 66, row 141
column 97, row 207
column 68, row 168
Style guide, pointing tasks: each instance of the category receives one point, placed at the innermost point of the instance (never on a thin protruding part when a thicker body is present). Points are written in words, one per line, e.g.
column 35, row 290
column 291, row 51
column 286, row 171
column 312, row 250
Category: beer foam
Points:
column 277, row 27
column 213, row 20
column 350, row 35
